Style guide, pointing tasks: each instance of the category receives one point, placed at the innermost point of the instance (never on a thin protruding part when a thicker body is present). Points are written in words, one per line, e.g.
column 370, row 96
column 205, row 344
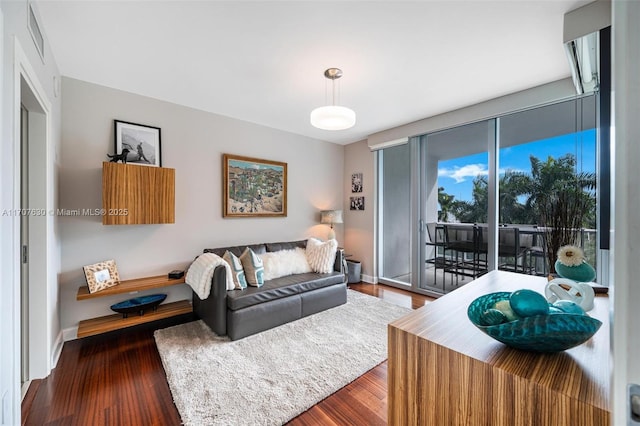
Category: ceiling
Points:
column 263, row 61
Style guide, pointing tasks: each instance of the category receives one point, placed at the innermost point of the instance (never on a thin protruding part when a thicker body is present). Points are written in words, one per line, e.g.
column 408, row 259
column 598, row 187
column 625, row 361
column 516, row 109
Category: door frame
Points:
column 42, row 312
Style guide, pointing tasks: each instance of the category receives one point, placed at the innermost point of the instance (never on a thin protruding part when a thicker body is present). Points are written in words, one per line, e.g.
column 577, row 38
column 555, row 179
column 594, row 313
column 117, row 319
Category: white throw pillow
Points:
column 253, row 269
column 321, row 255
column 284, row 262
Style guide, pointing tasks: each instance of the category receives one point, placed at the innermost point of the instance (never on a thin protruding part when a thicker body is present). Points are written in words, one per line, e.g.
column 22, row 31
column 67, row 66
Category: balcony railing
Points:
column 460, row 249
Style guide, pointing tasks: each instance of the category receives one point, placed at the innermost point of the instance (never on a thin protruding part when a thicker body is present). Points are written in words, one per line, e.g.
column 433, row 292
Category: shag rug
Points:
column 271, row 377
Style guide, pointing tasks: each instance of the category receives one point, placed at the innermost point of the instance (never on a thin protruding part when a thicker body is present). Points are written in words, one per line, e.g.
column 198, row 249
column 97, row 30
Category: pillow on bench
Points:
column 284, row 262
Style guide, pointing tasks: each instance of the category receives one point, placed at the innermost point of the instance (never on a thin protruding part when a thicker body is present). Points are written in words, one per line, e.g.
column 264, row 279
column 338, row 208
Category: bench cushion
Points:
column 281, row 287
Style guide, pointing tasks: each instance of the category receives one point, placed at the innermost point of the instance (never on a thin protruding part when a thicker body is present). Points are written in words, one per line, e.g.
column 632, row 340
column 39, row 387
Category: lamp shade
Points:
column 330, row 217
column 333, row 117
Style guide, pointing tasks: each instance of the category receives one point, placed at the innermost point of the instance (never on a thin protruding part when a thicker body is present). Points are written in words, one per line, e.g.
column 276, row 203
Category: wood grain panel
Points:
column 134, row 194
column 128, row 286
column 443, row 370
column 108, row 323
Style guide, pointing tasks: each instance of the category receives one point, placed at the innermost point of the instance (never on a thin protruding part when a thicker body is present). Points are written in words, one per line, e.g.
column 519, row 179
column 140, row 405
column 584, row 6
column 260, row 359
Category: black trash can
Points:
column 353, row 271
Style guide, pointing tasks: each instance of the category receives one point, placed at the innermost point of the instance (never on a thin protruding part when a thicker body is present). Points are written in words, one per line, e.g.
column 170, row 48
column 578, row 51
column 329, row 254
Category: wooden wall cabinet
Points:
column 134, row 194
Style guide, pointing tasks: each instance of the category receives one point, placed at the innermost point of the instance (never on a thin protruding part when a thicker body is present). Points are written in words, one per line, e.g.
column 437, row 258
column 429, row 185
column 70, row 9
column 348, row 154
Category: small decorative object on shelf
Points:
column 572, row 265
column 525, row 320
column 575, row 275
column 138, row 304
column 119, row 157
column 176, row 273
column 581, row 294
column 101, row 275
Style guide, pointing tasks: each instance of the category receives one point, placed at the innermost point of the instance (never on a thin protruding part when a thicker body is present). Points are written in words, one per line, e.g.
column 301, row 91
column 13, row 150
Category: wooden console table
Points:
column 99, row 325
column 442, row 370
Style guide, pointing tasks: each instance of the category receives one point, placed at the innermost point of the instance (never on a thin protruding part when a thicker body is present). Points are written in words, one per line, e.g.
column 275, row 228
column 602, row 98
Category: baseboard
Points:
column 70, row 333
column 368, row 279
column 57, row 350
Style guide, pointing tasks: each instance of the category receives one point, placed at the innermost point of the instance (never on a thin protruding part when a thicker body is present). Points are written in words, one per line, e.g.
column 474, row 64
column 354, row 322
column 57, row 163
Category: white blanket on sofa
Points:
column 201, row 271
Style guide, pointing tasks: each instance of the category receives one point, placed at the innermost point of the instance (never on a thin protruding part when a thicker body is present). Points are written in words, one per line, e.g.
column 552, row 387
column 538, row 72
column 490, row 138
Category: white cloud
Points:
column 460, row 174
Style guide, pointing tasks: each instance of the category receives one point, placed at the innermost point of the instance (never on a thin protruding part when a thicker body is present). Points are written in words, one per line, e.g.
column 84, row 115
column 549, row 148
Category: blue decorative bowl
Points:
column 138, row 304
column 539, row 333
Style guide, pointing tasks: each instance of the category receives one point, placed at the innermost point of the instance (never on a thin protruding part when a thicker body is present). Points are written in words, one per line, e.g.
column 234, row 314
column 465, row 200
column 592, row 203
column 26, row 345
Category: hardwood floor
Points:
column 118, row 379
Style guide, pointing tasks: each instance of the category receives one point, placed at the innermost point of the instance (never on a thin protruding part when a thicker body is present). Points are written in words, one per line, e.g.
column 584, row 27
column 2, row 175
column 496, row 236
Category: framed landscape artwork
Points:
column 253, row 187
column 141, row 142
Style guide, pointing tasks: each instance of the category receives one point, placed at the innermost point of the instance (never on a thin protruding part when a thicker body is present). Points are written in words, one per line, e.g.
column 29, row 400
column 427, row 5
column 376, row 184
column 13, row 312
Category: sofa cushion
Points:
column 237, row 250
column 253, row 268
column 289, row 245
column 284, row 262
column 281, row 287
column 321, row 255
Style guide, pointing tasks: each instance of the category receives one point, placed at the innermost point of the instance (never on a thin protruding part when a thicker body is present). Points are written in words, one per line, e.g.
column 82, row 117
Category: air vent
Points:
column 36, row 34
column 583, row 55
column 581, row 40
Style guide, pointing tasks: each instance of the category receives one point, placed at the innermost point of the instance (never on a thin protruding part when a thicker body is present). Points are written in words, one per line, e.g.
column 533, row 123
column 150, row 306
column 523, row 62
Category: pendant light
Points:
column 333, row 117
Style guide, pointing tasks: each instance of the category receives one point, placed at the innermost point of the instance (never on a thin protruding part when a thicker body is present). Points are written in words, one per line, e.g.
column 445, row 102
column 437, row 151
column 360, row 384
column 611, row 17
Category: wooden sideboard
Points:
column 442, row 370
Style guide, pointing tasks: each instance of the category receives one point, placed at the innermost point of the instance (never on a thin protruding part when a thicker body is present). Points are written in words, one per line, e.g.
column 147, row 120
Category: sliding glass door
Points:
column 457, row 203
column 548, row 178
column 396, row 236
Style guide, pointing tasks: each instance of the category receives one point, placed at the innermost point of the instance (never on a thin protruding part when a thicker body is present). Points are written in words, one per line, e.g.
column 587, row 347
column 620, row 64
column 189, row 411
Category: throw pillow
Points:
column 253, row 268
column 284, row 262
column 321, row 255
column 237, row 272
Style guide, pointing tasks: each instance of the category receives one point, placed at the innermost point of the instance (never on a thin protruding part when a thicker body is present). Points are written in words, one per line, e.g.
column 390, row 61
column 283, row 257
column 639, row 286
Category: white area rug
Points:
column 271, row 377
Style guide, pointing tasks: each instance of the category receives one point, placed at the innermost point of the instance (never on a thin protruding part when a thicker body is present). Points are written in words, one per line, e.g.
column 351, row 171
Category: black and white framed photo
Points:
column 357, row 203
column 142, row 143
column 356, row 182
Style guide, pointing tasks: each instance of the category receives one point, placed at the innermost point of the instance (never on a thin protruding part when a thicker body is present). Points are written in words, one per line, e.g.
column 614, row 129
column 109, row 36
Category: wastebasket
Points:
column 353, row 271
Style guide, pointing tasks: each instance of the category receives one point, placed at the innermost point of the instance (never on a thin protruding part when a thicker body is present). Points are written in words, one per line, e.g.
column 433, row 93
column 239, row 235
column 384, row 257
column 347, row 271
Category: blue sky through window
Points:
column 456, row 175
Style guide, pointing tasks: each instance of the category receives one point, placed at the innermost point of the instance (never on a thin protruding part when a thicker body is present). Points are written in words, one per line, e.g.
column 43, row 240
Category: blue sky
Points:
column 456, row 175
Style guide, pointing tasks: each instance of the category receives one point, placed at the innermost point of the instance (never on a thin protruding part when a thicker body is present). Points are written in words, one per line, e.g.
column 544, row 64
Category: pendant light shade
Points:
column 333, row 117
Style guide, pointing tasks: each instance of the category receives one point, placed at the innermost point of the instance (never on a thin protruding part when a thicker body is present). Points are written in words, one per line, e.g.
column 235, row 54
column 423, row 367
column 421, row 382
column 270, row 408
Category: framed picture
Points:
column 253, row 187
column 101, row 275
column 356, row 182
column 356, row 203
column 142, row 143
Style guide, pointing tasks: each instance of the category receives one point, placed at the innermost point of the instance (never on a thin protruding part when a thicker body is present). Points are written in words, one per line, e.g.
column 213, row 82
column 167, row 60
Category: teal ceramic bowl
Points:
column 540, row 333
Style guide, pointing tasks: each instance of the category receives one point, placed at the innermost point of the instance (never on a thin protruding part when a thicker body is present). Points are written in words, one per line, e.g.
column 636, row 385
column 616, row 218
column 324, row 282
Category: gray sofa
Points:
column 240, row 313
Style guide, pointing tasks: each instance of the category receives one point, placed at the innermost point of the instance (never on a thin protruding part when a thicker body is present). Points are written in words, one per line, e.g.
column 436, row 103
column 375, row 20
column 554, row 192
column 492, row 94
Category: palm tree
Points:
column 512, row 186
column 446, row 202
column 474, row 211
column 562, row 200
column 556, row 197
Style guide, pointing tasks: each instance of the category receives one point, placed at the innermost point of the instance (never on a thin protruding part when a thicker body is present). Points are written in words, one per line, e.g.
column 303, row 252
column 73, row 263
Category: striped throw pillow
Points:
column 253, row 268
column 321, row 255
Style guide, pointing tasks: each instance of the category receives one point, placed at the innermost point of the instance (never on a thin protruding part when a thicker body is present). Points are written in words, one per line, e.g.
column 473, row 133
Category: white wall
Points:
column 625, row 268
column 14, row 32
column 192, row 142
column 359, row 226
